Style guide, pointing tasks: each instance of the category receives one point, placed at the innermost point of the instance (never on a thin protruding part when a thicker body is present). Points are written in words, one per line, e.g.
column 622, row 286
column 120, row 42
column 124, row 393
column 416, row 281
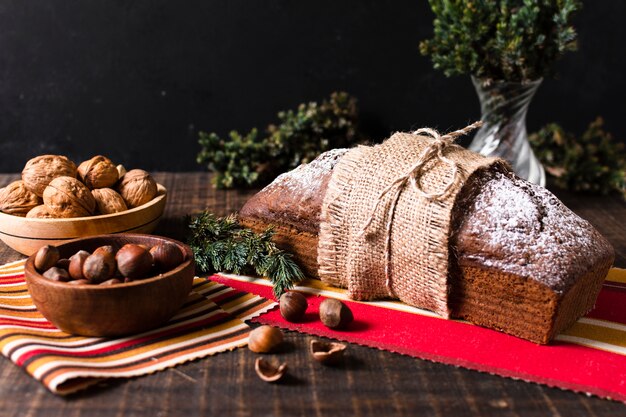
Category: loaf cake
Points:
column 520, row 261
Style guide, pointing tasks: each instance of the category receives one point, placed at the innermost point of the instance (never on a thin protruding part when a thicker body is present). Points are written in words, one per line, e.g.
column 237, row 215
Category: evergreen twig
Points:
column 221, row 244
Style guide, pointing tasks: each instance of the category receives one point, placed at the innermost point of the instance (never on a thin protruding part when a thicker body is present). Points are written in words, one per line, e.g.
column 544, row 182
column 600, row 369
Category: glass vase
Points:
column 503, row 111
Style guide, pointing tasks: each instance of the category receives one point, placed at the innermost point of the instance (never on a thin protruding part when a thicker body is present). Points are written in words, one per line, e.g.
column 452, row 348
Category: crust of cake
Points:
column 302, row 244
column 521, row 261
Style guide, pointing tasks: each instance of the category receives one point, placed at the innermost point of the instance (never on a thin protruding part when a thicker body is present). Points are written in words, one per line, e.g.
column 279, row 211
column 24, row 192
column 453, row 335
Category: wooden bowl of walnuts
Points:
column 56, row 201
column 110, row 285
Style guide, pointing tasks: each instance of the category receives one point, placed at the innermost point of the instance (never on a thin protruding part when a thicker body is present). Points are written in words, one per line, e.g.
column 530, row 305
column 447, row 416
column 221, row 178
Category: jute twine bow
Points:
column 434, row 151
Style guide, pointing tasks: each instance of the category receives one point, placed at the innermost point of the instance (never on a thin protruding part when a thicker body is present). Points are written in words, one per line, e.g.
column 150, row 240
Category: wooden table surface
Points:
column 371, row 382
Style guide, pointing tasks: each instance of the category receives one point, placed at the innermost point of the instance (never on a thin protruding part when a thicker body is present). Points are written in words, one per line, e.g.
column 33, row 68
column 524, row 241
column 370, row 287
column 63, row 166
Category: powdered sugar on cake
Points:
column 306, row 176
column 523, row 229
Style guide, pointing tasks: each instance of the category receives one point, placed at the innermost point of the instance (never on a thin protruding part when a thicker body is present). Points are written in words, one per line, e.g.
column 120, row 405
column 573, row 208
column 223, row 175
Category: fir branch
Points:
column 247, row 159
column 593, row 162
column 221, row 244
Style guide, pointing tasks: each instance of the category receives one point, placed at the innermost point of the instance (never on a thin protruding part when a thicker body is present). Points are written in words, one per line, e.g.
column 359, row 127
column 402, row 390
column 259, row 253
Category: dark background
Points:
column 137, row 80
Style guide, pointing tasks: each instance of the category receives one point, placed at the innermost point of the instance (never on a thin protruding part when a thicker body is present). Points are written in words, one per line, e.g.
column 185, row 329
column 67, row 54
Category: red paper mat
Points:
column 589, row 357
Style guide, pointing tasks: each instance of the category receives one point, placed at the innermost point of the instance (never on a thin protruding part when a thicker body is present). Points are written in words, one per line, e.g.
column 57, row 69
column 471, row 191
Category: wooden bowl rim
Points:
column 161, row 194
column 33, row 274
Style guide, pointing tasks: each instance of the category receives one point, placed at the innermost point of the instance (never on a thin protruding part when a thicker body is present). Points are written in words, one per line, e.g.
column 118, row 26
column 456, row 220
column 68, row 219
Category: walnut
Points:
column 39, row 171
column 68, row 197
column 98, row 172
column 137, row 187
column 16, row 199
column 40, row 212
column 108, row 201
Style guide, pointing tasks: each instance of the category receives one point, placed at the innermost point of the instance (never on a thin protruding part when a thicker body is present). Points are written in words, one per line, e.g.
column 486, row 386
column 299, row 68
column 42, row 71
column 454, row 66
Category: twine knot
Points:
column 432, row 152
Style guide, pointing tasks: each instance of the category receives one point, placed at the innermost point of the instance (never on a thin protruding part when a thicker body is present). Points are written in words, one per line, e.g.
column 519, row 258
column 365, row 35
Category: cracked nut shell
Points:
column 327, row 353
column 268, row 371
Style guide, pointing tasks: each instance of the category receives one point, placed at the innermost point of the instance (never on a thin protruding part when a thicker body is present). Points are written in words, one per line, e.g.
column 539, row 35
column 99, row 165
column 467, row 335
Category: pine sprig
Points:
column 221, row 244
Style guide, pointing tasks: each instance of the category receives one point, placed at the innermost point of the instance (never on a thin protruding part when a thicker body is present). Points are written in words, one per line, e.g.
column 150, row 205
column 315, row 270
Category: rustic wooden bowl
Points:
column 28, row 235
column 111, row 310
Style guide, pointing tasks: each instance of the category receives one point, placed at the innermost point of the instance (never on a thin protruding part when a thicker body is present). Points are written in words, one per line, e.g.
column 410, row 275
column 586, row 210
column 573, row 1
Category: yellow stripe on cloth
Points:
column 617, row 275
column 66, row 363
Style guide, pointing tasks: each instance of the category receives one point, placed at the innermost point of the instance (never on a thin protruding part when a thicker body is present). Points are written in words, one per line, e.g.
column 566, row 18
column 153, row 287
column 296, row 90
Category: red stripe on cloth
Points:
column 560, row 364
column 111, row 349
column 26, row 323
column 611, row 304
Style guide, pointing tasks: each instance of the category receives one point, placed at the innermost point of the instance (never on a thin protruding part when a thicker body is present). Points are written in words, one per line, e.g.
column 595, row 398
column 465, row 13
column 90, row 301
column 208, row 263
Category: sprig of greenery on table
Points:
column 593, row 162
column 221, row 244
column 508, row 40
column 245, row 160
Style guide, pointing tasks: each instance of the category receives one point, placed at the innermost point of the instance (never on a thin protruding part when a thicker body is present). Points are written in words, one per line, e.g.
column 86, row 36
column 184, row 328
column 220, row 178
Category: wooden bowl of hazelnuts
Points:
column 110, row 285
column 56, row 201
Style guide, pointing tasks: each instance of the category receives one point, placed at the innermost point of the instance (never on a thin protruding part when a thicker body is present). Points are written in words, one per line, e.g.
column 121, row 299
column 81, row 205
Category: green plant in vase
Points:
column 508, row 47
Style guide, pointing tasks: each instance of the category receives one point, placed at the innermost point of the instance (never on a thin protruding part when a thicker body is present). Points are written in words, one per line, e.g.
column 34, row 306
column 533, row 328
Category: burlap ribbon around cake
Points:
column 386, row 217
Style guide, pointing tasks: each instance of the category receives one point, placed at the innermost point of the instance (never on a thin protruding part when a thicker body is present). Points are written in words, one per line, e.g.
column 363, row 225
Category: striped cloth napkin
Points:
column 211, row 321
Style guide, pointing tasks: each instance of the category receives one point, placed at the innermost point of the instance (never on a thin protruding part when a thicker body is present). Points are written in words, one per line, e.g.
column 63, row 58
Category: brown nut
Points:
column 166, row 256
column 78, row 282
column 99, row 267
column 108, row 201
column 57, row 274
column 268, row 371
column 98, row 172
column 68, row 197
column 76, row 264
column 327, row 353
column 133, row 261
column 40, row 212
column 39, row 171
column 265, row 339
column 46, row 257
column 18, row 200
column 335, row 314
column 293, row 305
column 111, row 281
column 137, row 188
column 63, row 264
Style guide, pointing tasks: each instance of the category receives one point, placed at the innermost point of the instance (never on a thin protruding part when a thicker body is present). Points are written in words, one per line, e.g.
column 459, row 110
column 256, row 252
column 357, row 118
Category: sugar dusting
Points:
column 523, row 229
column 307, row 176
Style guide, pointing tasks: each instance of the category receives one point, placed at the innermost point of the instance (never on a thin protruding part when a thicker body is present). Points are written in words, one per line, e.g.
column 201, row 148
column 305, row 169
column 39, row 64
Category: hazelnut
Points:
column 99, row 267
column 78, row 282
column 40, row 212
column 166, row 256
column 98, row 172
column 68, row 197
column 137, row 188
column 293, row 305
column 133, row 261
column 268, row 371
column 18, row 200
column 327, row 353
column 108, row 201
column 39, row 171
column 57, row 274
column 63, row 264
column 111, row 281
column 265, row 339
column 335, row 314
column 46, row 257
column 76, row 264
